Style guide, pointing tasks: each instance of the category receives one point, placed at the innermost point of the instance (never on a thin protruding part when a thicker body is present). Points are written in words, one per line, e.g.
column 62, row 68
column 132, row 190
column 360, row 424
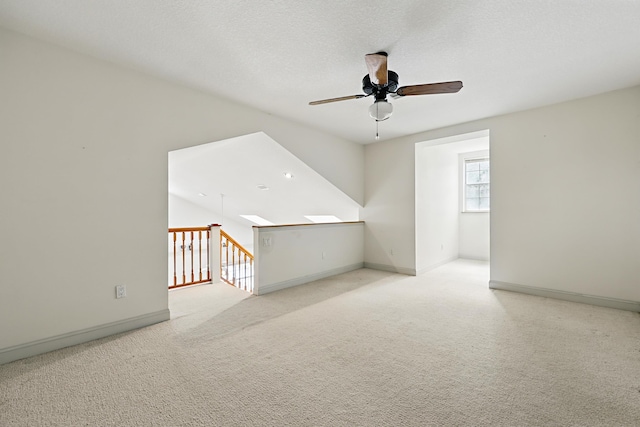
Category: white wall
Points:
column 389, row 209
column 565, row 195
column 183, row 213
column 437, row 211
column 288, row 256
column 83, row 166
column 566, row 187
column 473, row 239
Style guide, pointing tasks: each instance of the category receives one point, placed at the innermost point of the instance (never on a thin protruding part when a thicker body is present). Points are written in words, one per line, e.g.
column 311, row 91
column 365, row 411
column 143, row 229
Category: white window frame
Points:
column 464, row 158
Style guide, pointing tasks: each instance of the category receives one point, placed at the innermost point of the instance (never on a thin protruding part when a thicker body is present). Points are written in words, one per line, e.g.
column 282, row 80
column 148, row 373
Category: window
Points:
column 476, row 185
column 256, row 219
column 320, row 219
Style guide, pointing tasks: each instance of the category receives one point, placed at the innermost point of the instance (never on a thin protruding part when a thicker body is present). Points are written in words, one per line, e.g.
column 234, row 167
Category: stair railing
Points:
column 236, row 263
column 189, row 256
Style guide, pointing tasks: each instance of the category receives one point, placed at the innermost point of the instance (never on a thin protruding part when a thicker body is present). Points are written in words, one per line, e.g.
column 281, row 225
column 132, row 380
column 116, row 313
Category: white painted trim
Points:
column 214, row 253
column 390, row 268
column 567, row 296
column 265, row 289
column 436, row 265
column 45, row 345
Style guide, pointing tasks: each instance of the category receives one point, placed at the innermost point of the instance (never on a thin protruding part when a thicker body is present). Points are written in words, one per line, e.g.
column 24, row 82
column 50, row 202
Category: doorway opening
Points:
column 452, row 200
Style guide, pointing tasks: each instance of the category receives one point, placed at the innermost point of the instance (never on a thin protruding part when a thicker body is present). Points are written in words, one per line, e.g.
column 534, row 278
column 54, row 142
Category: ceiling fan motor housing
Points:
column 370, row 89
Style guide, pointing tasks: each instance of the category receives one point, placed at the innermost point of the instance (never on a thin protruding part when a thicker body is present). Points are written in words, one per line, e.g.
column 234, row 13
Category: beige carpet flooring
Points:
column 366, row 348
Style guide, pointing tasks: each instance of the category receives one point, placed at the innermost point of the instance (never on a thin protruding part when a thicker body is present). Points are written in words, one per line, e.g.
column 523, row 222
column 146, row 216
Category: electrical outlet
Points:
column 323, row 254
column 391, row 251
column 121, row 291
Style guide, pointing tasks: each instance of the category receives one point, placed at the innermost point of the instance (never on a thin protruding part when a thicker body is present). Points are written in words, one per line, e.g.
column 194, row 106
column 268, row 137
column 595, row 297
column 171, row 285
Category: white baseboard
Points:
column 45, row 345
column 473, row 258
column 437, row 264
column 390, row 268
column 567, row 296
column 265, row 289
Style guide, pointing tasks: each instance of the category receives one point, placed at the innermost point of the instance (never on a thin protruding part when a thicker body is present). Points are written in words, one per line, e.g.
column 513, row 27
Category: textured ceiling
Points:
column 278, row 55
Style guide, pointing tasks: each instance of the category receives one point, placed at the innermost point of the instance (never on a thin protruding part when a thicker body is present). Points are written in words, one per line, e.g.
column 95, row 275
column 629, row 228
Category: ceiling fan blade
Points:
column 342, row 98
column 430, row 88
column 377, row 65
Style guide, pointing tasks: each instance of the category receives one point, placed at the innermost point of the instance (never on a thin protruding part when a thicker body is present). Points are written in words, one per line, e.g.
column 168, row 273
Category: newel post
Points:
column 214, row 252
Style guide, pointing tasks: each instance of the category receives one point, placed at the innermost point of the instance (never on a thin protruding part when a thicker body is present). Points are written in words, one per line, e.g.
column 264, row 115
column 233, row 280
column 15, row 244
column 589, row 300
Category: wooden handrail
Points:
column 181, row 229
column 235, row 243
column 237, row 269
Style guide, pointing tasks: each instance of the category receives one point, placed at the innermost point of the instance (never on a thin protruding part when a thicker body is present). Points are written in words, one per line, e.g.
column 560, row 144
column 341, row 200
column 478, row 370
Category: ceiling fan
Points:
column 381, row 82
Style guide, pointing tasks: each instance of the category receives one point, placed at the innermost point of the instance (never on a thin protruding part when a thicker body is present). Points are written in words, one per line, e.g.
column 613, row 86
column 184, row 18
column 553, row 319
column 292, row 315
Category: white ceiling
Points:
column 278, row 55
column 236, row 167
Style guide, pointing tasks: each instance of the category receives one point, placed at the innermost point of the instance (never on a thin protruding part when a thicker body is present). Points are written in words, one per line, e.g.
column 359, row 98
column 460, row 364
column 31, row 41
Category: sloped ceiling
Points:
column 225, row 177
column 278, row 55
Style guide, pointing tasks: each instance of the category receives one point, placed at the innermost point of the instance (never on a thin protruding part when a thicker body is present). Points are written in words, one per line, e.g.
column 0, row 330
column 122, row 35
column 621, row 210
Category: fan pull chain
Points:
column 377, row 134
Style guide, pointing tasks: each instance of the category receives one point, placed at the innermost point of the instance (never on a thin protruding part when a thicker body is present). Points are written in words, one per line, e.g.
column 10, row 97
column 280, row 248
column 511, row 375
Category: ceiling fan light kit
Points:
column 380, row 110
column 381, row 82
